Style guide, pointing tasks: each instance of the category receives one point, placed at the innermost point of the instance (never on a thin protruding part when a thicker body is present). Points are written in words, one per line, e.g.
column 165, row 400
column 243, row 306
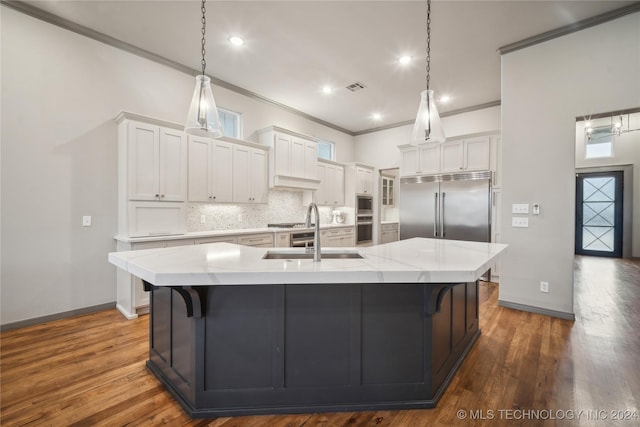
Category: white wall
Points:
column 60, row 93
column 544, row 88
column 626, row 151
column 380, row 149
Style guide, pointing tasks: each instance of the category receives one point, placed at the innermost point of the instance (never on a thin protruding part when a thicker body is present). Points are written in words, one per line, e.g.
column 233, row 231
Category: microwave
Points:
column 364, row 205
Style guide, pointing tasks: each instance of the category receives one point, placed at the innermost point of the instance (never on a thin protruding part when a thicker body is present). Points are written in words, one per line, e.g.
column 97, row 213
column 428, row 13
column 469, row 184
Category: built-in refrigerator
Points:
column 451, row 206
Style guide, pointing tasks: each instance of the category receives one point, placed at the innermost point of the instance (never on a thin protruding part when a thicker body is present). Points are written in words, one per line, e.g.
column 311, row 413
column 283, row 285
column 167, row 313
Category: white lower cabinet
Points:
column 343, row 237
column 388, row 233
column 217, row 239
column 262, row 240
column 131, row 299
column 283, row 240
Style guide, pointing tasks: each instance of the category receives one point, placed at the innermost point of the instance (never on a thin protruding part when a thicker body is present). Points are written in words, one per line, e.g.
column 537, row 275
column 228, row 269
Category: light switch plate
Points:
column 520, row 208
column 86, row 221
column 519, row 222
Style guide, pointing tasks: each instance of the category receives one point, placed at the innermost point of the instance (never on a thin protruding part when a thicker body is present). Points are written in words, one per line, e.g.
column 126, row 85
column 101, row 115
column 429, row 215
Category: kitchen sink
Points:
column 325, row 254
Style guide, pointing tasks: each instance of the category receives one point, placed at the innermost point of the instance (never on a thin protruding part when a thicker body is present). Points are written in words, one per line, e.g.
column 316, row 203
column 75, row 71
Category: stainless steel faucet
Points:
column 316, row 232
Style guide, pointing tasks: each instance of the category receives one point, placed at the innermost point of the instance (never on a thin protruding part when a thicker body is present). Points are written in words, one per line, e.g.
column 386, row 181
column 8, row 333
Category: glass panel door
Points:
column 599, row 214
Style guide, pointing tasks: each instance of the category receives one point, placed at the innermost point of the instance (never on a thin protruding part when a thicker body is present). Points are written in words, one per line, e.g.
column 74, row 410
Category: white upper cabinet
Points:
column 210, row 170
column 472, row 154
column 227, row 171
column 364, row 180
column 452, row 157
column 358, row 180
column 152, row 176
column 331, row 189
column 157, row 163
column 477, row 154
column 292, row 158
column 249, row 175
column 423, row 159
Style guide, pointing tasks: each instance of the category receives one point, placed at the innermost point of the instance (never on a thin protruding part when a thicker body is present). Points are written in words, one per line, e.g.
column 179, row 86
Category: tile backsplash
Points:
column 283, row 206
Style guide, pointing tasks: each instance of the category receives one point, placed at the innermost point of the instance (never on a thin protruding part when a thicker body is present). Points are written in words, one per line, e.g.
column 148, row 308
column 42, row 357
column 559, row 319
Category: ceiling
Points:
column 294, row 48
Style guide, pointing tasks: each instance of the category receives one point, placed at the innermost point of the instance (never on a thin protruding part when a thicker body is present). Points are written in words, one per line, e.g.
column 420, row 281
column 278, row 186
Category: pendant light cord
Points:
column 204, row 30
column 428, row 41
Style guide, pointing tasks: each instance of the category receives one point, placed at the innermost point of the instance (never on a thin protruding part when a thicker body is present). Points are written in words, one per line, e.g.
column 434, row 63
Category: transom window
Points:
column 231, row 123
column 326, row 150
column 599, row 142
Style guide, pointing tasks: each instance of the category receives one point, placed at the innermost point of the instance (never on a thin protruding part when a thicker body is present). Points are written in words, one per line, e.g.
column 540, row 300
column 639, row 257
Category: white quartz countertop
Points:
column 417, row 260
column 215, row 233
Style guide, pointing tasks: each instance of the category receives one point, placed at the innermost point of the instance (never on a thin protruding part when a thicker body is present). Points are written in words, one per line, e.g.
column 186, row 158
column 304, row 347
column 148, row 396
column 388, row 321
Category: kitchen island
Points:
column 232, row 333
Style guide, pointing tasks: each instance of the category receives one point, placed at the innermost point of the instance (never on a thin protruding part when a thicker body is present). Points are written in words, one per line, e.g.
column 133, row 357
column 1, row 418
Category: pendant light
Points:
column 427, row 127
column 202, row 119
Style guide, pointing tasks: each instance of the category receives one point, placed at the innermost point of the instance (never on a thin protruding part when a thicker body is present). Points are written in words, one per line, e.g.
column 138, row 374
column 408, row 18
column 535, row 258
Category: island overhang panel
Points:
column 257, row 348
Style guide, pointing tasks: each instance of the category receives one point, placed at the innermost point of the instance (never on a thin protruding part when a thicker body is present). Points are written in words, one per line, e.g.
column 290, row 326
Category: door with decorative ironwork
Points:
column 599, row 214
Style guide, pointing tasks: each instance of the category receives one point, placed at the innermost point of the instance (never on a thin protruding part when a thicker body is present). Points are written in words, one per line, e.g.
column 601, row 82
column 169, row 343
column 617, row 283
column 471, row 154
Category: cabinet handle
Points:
column 214, row 197
column 157, row 195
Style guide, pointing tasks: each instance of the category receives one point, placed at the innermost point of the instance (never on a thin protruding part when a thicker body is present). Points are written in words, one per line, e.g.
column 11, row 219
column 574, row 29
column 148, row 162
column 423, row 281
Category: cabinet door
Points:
column 477, row 154
column 348, row 239
column 259, row 189
column 140, row 297
column 324, row 189
column 310, row 159
column 281, row 155
column 364, row 179
column 221, row 171
column 173, row 165
column 144, row 160
column 199, row 170
column 297, row 157
column 429, row 157
column 452, row 156
column 338, row 186
column 409, row 161
column 241, row 174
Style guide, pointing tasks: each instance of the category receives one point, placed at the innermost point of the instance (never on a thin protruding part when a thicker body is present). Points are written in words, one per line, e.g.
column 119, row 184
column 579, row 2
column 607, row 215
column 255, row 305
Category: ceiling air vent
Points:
column 354, row 87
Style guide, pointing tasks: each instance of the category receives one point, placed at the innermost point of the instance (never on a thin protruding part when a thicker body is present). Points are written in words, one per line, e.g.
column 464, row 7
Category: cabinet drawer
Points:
column 261, row 240
column 217, row 239
column 389, row 227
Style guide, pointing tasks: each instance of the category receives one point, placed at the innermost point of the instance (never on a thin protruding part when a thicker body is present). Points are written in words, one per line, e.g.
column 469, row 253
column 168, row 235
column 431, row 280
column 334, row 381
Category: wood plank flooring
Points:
column 90, row 370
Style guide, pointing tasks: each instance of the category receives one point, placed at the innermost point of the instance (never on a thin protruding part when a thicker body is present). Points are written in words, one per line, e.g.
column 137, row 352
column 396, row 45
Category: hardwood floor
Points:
column 90, row 370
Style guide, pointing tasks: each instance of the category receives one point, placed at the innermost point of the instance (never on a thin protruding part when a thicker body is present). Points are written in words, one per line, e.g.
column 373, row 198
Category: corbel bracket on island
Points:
column 436, row 291
column 194, row 297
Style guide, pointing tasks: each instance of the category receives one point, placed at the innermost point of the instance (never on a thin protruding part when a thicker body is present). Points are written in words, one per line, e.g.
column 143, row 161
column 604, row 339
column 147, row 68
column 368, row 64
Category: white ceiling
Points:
column 293, row 48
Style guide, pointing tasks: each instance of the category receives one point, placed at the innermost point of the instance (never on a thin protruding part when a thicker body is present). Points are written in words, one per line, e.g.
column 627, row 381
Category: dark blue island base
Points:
column 272, row 349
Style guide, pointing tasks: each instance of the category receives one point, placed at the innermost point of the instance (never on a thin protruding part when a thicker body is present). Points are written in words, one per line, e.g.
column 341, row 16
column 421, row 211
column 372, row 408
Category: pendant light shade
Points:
column 427, row 127
column 202, row 119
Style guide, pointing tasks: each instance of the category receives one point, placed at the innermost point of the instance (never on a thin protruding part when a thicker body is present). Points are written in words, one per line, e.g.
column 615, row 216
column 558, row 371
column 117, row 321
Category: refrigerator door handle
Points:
column 442, row 232
column 435, row 215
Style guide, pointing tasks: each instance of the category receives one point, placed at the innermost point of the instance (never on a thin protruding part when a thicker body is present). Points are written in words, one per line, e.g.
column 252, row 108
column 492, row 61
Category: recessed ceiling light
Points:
column 327, row 90
column 445, row 98
column 236, row 41
column 376, row 116
column 404, row 60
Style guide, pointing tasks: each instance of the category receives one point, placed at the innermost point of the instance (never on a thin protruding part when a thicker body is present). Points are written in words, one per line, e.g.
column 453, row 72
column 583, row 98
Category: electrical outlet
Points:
column 544, row 286
column 536, row 209
column 239, row 217
column 203, row 219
